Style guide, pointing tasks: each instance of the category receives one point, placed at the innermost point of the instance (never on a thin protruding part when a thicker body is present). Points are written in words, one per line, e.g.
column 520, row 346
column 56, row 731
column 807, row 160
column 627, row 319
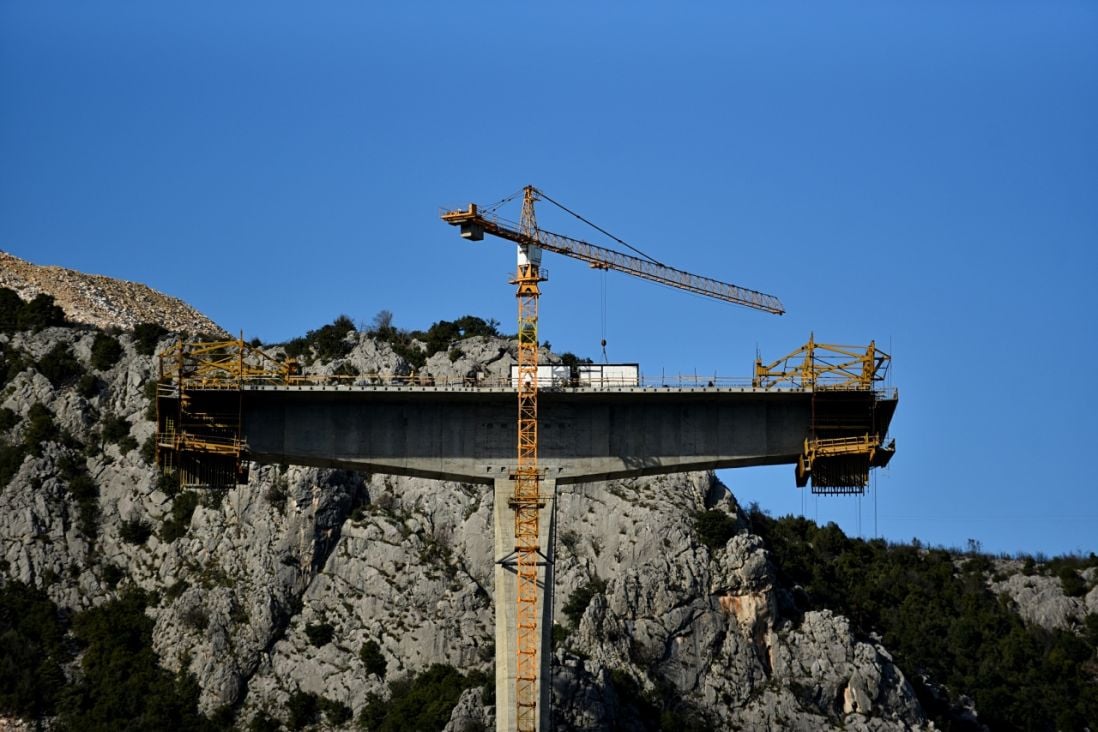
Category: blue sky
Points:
column 924, row 174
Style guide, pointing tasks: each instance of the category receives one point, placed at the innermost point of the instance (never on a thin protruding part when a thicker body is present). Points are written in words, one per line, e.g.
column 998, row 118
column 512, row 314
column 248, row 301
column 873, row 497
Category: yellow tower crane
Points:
column 526, row 499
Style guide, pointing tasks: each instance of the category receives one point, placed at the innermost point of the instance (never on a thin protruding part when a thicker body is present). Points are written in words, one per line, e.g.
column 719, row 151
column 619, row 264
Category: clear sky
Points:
column 921, row 173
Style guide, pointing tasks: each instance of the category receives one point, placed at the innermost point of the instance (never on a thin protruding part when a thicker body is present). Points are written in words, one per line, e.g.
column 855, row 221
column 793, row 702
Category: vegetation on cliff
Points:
column 947, row 630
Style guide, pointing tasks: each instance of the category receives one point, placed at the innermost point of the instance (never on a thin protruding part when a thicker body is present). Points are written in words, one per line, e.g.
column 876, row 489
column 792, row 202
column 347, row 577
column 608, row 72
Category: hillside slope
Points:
column 101, row 301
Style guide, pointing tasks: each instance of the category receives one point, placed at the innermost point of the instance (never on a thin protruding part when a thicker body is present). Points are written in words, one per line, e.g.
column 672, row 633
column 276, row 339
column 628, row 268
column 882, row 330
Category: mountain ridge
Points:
column 102, row 301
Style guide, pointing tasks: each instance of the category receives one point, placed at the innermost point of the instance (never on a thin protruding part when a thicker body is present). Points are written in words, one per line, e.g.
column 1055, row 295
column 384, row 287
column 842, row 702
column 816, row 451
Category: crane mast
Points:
column 526, row 499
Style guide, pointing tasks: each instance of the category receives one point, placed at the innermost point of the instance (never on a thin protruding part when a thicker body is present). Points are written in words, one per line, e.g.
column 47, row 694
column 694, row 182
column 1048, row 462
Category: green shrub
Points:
column 148, row 449
column 146, row 336
column 1090, row 625
column 581, row 598
column 40, row 429
column 89, row 385
column 329, row 341
column 319, row 634
column 1071, row 582
column 559, row 636
column 86, row 493
column 412, row 354
column 135, row 531
column 337, row 713
column 8, row 419
column 439, row 338
column 111, row 574
column 183, row 506
column 276, row 493
column 41, row 312
column 123, row 685
column 302, row 709
column 59, row 366
column 196, row 617
column 423, row 702
column 11, row 459
column 105, row 351
column 264, row 722
column 15, row 314
column 714, row 528
column 10, row 306
column 168, row 484
column 114, row 428
column 371, row 656
column 175, row 590
column 298, row 349
column 32, row 652
column 326, row 343
column 150, row 391
column 942, row 625
column 12, row 363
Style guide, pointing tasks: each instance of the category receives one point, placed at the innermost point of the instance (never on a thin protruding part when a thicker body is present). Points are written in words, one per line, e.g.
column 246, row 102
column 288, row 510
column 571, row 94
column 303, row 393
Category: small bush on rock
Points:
column 714, row 528
column 11, row 459
column 41, row 428
column 423, row 702
column 320, row 634
column 135, row 531
column 337, row 713
column 15, row 314
column 371, row 656
column 88, row 386
column 183, row 507
column 146, row 336
column 115, row 428
column 302, row 709
column 8, row 419
column 105, row 351
column 59, row 366
column 581, row 598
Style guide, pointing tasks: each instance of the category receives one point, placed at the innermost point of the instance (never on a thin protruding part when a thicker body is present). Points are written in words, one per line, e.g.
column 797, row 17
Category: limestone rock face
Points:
column 1040, row 600
column 275, row 586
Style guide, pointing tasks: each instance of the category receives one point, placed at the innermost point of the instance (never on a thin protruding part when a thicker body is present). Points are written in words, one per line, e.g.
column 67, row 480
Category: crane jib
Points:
column 474, row 225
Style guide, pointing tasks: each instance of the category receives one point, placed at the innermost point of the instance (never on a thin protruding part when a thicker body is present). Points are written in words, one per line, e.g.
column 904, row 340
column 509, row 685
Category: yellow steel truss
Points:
column 221, row 365
column 825, row 366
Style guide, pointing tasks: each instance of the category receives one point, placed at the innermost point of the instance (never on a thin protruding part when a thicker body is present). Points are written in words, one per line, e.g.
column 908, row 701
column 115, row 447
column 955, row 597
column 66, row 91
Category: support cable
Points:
column 598, row 228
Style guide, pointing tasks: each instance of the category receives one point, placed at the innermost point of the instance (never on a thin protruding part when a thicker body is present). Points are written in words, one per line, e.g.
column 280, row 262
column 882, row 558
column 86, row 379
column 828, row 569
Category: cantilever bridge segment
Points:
column 820, row 409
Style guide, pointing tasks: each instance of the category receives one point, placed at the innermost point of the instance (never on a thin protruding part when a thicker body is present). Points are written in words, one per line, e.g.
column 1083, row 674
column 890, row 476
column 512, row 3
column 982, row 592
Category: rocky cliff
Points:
column 329, row 585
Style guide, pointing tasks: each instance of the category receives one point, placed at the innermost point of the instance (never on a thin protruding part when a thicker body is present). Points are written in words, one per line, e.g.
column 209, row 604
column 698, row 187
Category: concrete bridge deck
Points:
column 468, row 434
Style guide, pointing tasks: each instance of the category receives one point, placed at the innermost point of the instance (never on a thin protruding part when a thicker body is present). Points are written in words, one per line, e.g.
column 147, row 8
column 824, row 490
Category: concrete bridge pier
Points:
column 503, row 519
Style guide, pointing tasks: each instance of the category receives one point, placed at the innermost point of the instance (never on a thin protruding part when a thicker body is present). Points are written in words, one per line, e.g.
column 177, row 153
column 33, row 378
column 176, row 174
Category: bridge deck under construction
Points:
column 466, row 433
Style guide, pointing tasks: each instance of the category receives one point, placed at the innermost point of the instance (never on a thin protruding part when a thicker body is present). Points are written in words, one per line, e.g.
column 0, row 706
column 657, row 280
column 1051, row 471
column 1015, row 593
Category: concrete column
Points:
column 503, row 519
